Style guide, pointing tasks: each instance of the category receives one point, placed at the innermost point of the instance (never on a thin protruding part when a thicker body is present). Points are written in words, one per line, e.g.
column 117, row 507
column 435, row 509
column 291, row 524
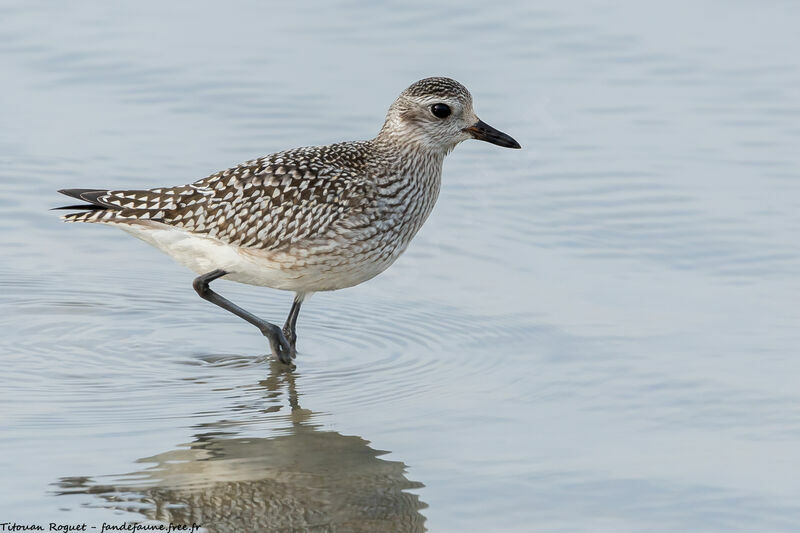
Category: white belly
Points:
column 277, row 270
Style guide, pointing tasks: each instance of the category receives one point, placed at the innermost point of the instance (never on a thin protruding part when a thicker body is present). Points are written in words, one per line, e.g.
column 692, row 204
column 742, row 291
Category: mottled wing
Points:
column 268, row 203
column 273, row 202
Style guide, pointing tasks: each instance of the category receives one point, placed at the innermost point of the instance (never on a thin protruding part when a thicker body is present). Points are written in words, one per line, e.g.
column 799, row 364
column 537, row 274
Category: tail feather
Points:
column 77, row 193
column 94, row 215
column 92, row 211
column 77, row 207
column 91, row 196
column 103, row 205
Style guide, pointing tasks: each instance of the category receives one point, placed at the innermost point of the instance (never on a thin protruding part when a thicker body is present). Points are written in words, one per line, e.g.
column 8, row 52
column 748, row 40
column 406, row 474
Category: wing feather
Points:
column 266, row 203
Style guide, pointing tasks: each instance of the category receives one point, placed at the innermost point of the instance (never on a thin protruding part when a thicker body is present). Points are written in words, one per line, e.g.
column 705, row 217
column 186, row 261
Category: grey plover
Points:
column 304, row 220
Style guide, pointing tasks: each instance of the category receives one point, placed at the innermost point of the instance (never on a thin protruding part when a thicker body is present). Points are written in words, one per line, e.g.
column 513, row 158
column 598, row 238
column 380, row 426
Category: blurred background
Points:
column 596, row 333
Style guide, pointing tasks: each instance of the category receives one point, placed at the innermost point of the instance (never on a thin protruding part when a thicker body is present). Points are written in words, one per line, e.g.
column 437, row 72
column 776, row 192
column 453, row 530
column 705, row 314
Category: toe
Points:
column 289, row 337
column 281, row 349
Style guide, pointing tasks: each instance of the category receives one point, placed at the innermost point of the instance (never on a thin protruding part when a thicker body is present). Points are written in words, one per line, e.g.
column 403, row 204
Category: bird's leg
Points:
column 278, row 343
column 289, row 329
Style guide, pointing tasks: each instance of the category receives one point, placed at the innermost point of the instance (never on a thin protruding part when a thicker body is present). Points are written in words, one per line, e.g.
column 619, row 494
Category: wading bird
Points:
column 304, row 220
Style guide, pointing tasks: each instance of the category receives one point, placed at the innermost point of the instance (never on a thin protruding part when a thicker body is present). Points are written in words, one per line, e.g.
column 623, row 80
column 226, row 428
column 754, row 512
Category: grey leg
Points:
column 289, row 329
column 278, row 343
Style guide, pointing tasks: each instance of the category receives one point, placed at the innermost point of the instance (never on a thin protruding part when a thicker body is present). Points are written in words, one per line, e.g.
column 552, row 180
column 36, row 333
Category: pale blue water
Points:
column 599, row 332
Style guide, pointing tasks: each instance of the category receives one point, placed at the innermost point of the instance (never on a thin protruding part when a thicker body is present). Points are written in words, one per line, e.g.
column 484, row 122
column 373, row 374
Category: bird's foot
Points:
column 291, row 336
column 281, row 348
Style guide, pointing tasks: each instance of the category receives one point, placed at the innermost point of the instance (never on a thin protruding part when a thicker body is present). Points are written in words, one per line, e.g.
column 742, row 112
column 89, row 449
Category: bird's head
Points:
column 435, row 114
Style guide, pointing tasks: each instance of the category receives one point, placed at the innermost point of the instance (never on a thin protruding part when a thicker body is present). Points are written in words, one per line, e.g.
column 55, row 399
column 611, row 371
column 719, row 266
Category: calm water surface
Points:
column 597, row 333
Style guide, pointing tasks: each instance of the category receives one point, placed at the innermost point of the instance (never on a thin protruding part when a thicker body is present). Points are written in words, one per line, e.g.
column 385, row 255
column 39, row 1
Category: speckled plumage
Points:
column 308, row 219
column 267, row 203
column 326, row 216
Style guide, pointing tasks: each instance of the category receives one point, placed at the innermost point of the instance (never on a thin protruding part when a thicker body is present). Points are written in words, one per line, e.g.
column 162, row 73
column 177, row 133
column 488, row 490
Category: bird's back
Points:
column 268, row 203
column 307, row 219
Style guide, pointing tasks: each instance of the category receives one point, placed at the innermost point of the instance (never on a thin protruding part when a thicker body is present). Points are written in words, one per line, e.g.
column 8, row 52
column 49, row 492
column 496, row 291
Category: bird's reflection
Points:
column 304, row 479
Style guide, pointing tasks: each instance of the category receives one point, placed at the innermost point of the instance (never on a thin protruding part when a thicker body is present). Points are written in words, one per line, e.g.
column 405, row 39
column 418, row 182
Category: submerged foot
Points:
column 281, row 348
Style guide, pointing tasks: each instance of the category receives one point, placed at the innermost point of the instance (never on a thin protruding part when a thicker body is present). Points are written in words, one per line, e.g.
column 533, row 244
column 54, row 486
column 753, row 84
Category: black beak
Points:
column 484, row 132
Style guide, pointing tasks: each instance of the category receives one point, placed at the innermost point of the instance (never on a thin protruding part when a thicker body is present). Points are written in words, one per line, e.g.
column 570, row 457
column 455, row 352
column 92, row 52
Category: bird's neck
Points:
column 409, row 159
column 408, row 180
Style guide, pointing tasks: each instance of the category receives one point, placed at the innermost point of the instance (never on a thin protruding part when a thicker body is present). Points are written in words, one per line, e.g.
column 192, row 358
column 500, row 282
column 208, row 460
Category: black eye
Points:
column 440, row 110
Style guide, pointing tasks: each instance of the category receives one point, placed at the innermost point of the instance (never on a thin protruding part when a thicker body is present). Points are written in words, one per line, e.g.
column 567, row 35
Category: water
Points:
column 596, row 333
